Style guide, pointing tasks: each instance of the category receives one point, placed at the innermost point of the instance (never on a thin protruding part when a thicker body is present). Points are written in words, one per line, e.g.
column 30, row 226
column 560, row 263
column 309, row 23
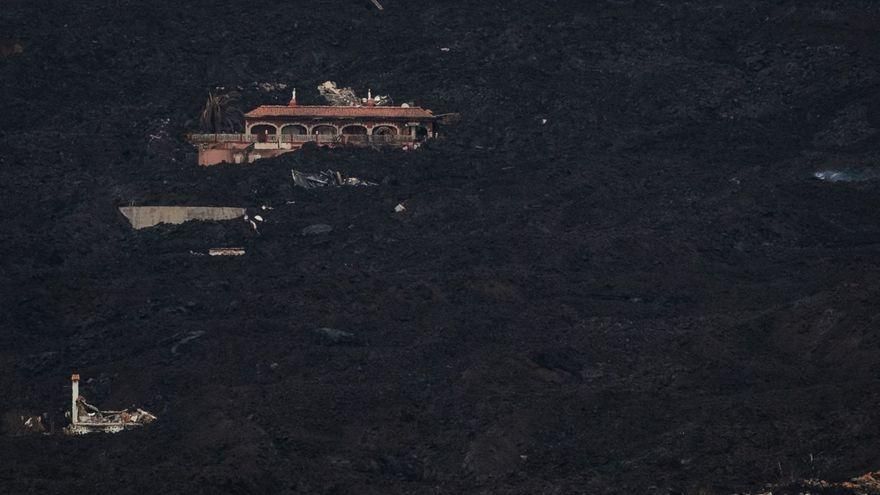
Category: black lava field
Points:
column 646, row 259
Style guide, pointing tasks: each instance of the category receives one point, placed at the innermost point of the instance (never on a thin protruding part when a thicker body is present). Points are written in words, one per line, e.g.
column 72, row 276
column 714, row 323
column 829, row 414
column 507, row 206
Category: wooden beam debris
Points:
column 377, row 4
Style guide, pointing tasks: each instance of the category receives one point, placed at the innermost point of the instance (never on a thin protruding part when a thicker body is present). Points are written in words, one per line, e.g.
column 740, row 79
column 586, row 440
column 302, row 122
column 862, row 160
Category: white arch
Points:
column 391, row 125
column 335, row 128
column 302, row 126
column 254, row 124
column 359, row 126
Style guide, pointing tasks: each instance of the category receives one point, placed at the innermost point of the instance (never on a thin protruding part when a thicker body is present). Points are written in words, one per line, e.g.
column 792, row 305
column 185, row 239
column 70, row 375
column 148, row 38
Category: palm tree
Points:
column 221, row 114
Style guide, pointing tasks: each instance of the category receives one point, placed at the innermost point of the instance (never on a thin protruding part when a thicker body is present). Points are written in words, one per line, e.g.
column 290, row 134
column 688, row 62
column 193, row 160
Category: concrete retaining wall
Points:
column 142, row 217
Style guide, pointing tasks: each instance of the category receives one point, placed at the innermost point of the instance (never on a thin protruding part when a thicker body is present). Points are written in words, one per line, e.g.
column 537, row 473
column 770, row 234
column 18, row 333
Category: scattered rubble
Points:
column 346, row 97
column 18, row 424
column 33, row 424
column 326, row 178
column 142, row 217
column 86, row 418
column 867, row 484
column 343, row 97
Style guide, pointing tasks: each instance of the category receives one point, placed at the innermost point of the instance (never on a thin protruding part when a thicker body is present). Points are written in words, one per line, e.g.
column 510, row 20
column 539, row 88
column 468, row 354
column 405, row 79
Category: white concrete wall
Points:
column 142, row 217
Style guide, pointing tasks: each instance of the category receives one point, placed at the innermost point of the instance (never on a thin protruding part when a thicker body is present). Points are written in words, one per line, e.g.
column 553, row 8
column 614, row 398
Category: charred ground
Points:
column 647, row 292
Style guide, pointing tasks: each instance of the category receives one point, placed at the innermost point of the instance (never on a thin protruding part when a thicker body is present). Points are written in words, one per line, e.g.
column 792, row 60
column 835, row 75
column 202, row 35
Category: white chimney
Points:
column 74, row 395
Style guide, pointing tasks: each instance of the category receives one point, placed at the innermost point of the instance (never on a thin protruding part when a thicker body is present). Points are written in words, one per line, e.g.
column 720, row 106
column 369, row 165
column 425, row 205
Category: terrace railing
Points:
column 221, row 138
column 353, row 139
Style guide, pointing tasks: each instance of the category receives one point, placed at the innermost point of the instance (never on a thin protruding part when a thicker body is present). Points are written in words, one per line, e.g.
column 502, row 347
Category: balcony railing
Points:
column 354, row 139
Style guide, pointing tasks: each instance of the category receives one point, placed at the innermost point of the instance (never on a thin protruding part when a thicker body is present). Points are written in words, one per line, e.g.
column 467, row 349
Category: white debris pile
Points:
column 346, row 97
column 312, row 180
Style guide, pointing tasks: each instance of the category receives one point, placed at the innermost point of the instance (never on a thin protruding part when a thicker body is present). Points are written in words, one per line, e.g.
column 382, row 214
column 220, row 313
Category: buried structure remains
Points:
column 272, row 130
column 326, row 178
column 86, row 418
column 141, row 217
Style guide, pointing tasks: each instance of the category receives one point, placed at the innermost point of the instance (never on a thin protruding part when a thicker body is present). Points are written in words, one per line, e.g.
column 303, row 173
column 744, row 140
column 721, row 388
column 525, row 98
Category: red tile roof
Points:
column 415, row 113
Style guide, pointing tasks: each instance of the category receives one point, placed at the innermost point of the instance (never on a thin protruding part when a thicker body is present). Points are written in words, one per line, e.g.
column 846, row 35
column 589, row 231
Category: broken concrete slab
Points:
column 226, row 251
column 141, row 217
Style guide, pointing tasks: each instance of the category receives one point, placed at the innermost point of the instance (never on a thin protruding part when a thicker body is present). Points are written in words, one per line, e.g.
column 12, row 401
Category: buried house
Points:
column 272, row 130
column 86, row 418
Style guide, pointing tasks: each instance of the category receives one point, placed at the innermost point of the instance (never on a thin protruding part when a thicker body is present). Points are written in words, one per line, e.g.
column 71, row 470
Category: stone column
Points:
column 74, row 395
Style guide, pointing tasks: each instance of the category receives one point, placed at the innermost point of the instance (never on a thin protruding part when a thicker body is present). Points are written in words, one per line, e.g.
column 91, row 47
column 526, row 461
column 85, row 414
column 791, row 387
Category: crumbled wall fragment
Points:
column 142, row 217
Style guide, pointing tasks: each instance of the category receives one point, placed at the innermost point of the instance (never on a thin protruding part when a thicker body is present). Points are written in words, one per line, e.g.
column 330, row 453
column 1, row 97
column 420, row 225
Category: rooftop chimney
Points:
column 74, row 395
column 292, row 99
